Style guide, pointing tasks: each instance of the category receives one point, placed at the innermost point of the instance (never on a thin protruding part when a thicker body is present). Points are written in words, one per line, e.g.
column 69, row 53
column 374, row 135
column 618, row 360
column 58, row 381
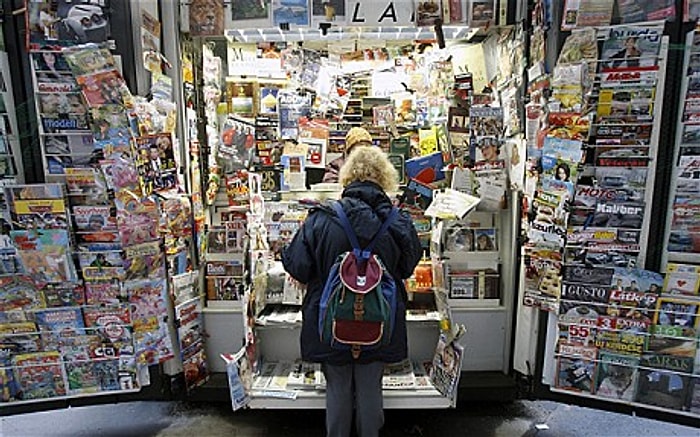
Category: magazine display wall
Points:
column 682, row 232
column 615, row 331
column 277, row 113
column 90, row 301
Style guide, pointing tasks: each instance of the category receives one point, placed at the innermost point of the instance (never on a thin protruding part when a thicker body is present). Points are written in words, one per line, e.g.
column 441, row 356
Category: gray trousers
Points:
column 358, row 386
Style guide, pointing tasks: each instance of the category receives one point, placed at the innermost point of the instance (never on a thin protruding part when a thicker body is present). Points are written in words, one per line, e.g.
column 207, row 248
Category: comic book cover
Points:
column 143, row 261
column 576, row 367
column 19, row 292
column 195, row 368
column 9, row 387
column 631, row 47
column 45, row 255
column 137, row 228
column 19, row 338
column 59, row 326
column 188, row 316
column 616, row 376
column 104, row 88
column 178, row 216
column 107, row 374
column 101, row 266
column 37, row 207
column 63, row 295
column 79, row 366
column 40, row 375
column 94, row 218
column 104, row 292
column 664, row 381
column 148, row 308
column 112, row 323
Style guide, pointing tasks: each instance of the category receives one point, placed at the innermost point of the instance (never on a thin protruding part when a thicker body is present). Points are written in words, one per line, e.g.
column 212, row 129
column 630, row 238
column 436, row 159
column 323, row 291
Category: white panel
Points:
column 526, row 334
column 484, row 341
column 225, row 329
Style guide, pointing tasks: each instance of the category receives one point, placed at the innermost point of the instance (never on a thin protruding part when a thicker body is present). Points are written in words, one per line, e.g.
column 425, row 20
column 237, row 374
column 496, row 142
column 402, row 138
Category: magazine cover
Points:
column 19, row 292
column 63, row 295
column 189, row 323
column 194, row 367
column 112, row 324
column 290, row 12
column 447, row 367
column 40, row 375
column 87, row 59
column 292, row 106
column 104, row 292
column 635, row 11
column 630, row 47
column 155, row 161
column 325, row 11
column 480, row 13
column 59, row 326
column 576, row 368
column 105, row 87
column 682, row 279
column 664, row 381
column 616, row 376
column 207, row 17
column 398, row 376
column 66, row 22
column 44, row 254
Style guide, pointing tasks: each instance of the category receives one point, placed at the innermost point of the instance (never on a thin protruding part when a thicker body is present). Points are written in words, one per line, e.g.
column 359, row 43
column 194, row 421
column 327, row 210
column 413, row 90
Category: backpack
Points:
column 358, row 303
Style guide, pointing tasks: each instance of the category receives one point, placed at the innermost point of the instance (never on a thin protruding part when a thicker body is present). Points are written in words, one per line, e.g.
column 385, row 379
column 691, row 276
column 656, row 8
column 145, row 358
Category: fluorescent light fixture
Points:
column 336, row 33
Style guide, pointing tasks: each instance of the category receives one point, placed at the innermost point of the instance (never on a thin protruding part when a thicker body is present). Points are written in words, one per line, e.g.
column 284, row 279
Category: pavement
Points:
column 180, row 419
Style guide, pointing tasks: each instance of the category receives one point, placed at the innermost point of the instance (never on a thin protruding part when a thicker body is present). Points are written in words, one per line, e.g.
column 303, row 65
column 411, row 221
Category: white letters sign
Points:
column 380, row 13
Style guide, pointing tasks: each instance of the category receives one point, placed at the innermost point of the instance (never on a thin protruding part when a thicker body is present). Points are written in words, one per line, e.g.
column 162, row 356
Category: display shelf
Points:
column 223, row 306
column 477, row 304
column 67, row 397
column 623, row 402
column 393, row 399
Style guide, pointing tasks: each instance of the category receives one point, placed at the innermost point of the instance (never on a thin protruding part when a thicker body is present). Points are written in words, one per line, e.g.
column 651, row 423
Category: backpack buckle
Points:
column 356, row 351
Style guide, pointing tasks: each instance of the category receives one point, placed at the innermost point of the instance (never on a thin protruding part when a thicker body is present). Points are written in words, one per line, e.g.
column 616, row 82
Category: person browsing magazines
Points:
column 356, row 136
column 366, row 177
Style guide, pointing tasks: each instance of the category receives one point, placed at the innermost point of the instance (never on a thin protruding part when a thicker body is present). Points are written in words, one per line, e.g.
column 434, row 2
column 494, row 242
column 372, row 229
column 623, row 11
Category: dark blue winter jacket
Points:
column 317, row 244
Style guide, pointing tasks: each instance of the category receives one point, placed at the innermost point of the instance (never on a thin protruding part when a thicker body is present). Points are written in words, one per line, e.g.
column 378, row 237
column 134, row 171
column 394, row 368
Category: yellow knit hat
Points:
column 356, row 135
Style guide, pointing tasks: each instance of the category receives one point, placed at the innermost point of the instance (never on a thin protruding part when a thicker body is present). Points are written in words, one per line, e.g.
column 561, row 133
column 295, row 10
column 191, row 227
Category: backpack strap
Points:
column 363, row 254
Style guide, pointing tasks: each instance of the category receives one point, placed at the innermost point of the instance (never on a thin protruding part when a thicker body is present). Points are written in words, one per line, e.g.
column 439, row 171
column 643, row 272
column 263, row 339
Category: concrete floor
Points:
column 178, row 419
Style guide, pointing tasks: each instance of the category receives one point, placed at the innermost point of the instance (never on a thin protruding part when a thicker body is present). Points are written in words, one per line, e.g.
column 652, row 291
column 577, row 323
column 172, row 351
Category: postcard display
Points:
column 615, row 331
column 287, row 109
column 101, row 253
